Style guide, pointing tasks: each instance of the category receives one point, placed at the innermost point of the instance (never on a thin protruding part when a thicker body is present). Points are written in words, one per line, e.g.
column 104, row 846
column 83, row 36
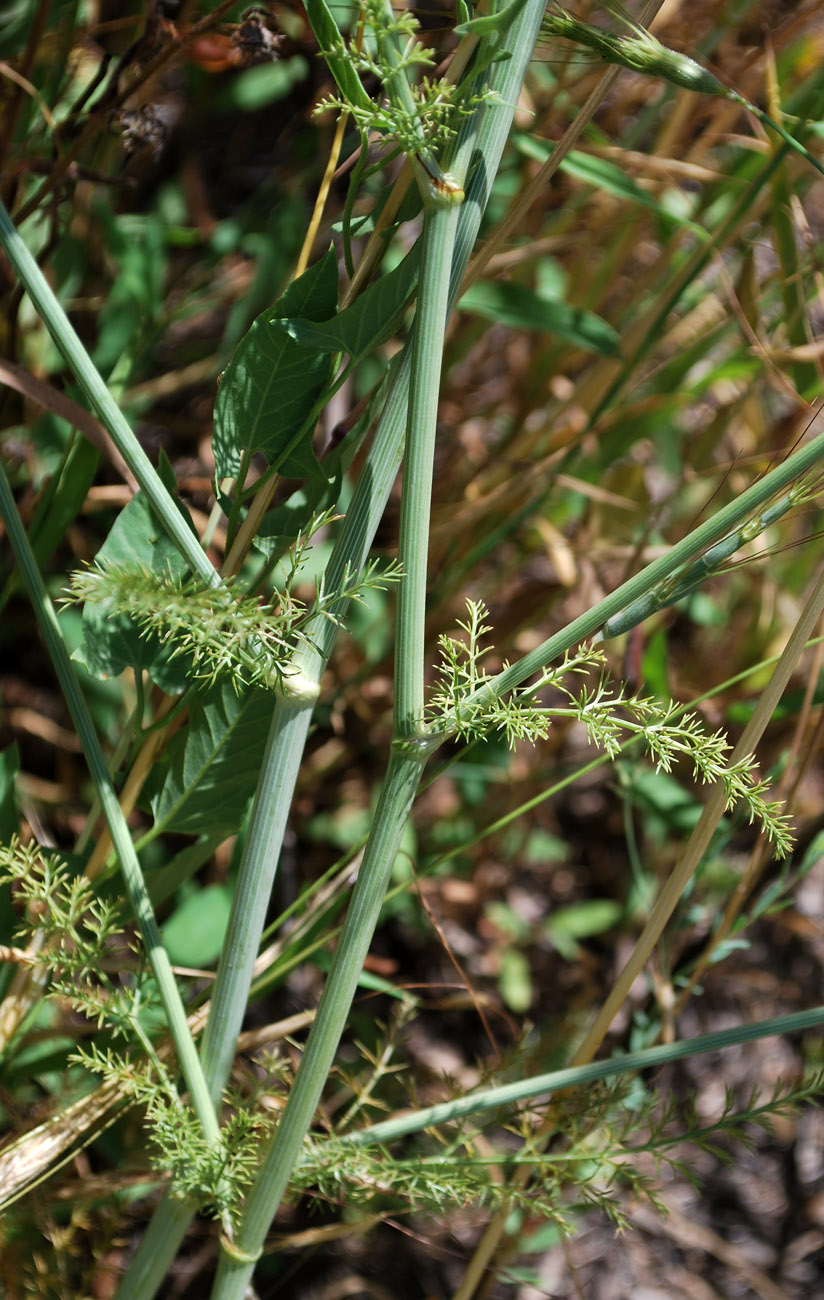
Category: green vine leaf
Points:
column 271, row 385
column 371, row 320
column 213, row 763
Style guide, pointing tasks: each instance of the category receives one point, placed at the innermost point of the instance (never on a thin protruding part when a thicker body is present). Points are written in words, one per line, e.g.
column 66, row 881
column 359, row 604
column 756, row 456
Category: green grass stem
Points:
column 440, row 224
column 276, row 784
column 706, row 566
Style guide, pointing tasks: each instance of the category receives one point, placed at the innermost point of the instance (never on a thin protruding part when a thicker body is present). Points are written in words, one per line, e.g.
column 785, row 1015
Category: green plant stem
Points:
column 238, row 1258
column 413, row 548
column 101, row 400
column 706, row 566
column 119, row 831
column 726, row 520
column 168, row 1225
column 477, row 1103
column 407, row 760
column 278, row 773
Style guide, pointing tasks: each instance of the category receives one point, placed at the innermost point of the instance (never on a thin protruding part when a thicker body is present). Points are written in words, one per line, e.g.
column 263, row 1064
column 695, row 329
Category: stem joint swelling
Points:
column 236, row 1254
column 300, row 689
column 419, row 746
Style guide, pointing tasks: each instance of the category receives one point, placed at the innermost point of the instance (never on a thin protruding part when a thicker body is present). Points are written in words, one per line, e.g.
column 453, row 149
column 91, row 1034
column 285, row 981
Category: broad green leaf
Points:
column 542, row 847
column 263, row 84
column 279, row 527
column 193, row 935
column 271, row 384
column 667, row 806
column 370, row 321
column 213, row 763
column 506, row 919
column 63, row 499
column 164, row 882
column 523, row 308
column 111, row 640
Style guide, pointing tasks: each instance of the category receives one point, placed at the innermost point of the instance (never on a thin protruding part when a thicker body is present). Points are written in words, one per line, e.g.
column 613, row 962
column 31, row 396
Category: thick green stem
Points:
column 169, row 1223
column 238, row 1258
column 440, row 224
column 276, row 783
column 407, row 760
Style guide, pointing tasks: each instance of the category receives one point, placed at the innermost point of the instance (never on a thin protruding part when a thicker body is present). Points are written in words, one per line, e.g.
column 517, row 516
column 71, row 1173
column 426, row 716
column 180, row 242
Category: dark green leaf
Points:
column 263, row 84
column 213, row 763
column 522, row 308
column 112, row 641
column 579, row 921
column 9, row 769
column 63, row 500
column 515, row 981
column 271, row 384
column 164, row 882
column 371, row 320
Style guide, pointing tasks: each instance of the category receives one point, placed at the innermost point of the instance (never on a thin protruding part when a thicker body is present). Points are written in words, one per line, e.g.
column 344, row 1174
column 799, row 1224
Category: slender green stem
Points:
column 440, row 224
column 623, row 597
column 101, row 400
column 707, row 565
column 407, row 760
column 476, row 1103
column 238, row 1258
column 278, row 773
column 643, row 53
column 119, row 831
column 352, row 547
